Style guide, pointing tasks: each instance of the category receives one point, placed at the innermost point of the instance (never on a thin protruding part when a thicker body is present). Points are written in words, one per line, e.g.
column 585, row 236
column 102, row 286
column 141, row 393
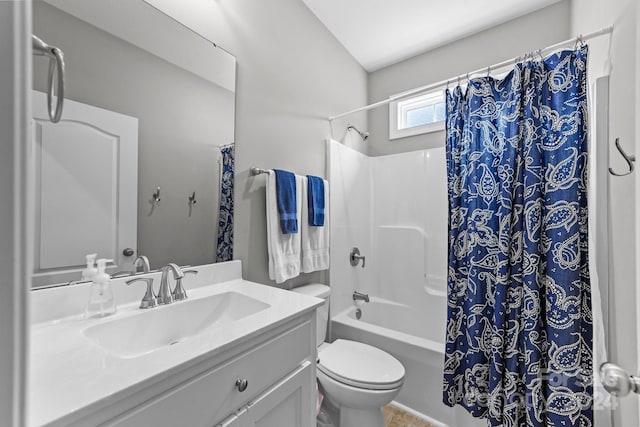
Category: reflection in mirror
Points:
column 149, row 108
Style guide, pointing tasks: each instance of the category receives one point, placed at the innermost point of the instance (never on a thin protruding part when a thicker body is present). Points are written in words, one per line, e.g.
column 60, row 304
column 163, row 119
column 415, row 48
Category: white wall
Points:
column 15, row 229
column 587, row 16
column 536, row 30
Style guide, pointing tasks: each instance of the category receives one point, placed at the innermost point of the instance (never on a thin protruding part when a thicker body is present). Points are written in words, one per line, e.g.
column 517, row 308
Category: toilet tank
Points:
column 322, row 313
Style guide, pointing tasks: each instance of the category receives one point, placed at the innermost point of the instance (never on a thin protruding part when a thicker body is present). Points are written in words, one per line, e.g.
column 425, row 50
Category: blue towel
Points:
column 286, row 200
column 315, row 200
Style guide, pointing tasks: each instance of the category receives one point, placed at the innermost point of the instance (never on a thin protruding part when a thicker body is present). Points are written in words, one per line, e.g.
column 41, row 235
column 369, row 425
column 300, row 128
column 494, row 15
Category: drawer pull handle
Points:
column 242, row 384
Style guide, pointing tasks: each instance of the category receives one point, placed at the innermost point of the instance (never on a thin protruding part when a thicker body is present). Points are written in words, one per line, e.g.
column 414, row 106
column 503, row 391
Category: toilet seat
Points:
column 360, row 365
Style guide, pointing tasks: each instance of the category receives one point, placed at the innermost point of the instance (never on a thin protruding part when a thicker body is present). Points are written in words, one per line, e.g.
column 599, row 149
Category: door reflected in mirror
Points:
column 149, row 105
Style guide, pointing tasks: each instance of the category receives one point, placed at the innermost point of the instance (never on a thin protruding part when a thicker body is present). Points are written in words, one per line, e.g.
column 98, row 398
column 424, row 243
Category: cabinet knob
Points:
column 242, row 384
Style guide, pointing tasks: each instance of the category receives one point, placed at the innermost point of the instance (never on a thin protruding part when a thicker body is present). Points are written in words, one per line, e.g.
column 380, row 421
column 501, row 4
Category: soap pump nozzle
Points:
column 90, row 272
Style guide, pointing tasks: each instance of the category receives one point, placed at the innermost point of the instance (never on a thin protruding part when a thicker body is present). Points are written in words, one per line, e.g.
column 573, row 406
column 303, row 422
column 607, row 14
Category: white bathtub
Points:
column 418, row 344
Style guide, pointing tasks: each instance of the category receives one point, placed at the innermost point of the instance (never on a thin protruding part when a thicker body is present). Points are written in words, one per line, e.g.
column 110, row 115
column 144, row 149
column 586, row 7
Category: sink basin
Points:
column 150, row 330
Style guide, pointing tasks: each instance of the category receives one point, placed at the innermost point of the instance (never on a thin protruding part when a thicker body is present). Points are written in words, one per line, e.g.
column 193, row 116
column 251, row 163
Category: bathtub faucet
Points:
column 360, row 296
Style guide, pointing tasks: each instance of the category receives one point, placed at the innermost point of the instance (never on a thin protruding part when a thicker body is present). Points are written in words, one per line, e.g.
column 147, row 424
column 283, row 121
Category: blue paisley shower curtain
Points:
column 224, row 251
column 519, row 327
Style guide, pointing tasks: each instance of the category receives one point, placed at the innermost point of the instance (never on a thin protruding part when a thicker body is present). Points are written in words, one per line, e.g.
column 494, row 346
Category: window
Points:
column 419, row 114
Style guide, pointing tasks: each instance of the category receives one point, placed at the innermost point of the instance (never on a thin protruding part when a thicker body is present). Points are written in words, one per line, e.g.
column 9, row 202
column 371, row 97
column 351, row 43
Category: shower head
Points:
column 363, row 135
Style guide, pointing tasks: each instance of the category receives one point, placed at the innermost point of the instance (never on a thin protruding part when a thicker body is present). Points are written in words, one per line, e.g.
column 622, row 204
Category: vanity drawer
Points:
column 212, row 396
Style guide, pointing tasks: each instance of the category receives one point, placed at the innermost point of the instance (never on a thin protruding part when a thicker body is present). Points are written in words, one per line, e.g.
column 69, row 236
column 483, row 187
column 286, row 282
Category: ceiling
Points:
column 382, row 32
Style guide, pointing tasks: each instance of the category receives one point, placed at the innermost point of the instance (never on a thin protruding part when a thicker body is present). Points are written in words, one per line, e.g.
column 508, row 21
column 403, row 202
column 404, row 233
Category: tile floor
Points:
column 395, row 417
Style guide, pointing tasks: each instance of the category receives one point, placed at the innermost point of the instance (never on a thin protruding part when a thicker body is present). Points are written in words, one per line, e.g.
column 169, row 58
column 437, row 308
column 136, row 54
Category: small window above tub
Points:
column 418, row 114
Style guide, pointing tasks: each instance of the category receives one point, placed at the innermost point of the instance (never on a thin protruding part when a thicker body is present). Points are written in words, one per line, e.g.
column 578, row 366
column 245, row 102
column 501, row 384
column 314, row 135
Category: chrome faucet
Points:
column 178, row 292
column 145, row 263
column 360, row 296
column 149, row 300
column 164, row 295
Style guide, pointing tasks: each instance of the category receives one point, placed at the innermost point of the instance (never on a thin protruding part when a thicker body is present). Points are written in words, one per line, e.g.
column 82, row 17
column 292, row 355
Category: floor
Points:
column 395, row 417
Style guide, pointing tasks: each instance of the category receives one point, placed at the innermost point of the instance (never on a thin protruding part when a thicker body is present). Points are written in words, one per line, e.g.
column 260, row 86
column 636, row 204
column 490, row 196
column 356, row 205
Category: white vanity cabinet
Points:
column 279, row 370
column 235, row 353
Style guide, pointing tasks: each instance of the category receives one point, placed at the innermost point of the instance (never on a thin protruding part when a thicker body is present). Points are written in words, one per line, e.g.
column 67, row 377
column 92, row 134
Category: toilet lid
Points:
column 360, row 365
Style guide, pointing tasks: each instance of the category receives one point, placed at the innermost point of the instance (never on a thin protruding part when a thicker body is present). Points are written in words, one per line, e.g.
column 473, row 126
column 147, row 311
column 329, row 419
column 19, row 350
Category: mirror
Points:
column 133, row 76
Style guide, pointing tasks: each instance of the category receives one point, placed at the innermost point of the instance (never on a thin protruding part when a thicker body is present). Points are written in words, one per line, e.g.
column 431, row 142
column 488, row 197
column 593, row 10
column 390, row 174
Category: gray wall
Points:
column 292, row 74
column 182, row 121
column 538, row 29
column 15, row 209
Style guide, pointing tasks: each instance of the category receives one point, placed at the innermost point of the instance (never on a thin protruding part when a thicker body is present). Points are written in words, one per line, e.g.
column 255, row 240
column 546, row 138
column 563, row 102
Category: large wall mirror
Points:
column 149, row 104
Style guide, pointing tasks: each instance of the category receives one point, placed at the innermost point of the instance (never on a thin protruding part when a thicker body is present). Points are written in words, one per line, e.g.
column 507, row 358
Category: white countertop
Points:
column 70, row 375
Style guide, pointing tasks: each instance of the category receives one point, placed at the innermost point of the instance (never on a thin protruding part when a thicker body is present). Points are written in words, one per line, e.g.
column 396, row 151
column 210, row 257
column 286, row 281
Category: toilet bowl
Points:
column 356, row 378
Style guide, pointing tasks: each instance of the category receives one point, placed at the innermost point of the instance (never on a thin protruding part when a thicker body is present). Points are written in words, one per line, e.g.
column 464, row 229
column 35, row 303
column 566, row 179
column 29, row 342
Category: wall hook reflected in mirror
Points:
column 629, row 158
column 155, row 197
column 192, row 202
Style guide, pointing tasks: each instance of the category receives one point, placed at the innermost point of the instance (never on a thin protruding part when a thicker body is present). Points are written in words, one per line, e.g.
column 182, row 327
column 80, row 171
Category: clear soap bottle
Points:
column 101, row 302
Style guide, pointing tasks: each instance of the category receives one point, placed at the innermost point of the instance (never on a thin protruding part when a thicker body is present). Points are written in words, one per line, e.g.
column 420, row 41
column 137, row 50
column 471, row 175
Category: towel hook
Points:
column 192, row 198
column 156, row 196
column 629, row 158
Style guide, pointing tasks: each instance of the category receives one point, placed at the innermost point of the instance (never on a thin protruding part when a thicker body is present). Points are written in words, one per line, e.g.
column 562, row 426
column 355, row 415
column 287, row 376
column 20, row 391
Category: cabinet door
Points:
column 290, row 403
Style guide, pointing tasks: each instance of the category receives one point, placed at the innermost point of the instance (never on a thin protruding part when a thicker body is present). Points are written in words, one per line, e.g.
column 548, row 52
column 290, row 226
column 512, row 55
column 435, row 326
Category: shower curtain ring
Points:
column 488, row 70
column 579, row 41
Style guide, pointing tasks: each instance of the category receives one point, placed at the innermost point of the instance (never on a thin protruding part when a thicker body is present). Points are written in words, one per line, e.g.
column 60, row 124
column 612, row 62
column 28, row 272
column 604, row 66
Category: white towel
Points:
column 315, row 240
column 284, row 249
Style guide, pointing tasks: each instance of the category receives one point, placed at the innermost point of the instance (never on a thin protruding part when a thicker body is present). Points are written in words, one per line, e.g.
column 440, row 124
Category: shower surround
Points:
column 394, row 209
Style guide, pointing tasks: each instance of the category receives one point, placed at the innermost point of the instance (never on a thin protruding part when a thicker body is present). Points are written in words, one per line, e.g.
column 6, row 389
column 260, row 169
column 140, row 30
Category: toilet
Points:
column 356, row 378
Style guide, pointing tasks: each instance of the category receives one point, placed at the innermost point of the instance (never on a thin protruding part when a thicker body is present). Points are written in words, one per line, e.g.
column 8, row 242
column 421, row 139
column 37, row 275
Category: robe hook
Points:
column 192, row 198
column 156, row 196
column 629, row 158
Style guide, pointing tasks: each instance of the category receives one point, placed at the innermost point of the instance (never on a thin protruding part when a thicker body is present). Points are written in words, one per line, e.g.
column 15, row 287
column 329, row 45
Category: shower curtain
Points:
column 519, row 323
column 224, row 250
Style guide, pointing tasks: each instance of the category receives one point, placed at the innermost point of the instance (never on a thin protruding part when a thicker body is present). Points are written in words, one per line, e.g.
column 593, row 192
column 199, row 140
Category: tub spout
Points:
column 360, row 296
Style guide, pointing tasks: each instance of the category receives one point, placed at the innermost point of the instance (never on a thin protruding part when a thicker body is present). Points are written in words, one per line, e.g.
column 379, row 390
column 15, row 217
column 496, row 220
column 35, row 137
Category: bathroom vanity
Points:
column 235, row 353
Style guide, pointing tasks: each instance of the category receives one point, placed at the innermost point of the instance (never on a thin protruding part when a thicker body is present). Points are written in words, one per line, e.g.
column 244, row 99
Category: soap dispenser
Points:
column 101, row 302
column 89, row 272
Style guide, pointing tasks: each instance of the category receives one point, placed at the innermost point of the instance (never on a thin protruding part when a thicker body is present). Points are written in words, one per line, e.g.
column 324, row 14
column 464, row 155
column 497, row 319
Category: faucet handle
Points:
column 149, row 299
column 178, row 292
column 355, row 257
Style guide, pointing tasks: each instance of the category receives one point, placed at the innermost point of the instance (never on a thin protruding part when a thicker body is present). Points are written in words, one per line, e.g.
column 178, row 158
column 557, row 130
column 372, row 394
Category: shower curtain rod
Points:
column 466, row 76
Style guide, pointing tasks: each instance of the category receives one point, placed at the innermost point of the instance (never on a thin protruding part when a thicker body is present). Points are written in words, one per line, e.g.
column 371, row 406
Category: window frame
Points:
column 397, row 114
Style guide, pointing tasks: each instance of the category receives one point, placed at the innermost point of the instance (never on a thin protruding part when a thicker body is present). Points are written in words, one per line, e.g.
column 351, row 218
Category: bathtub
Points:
column 418, row 344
